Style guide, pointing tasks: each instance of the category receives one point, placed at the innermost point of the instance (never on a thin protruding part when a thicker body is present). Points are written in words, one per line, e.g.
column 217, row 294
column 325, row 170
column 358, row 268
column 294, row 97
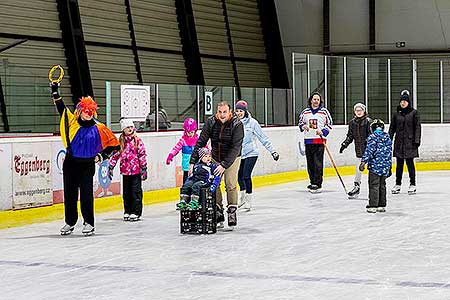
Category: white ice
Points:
column 292, row 245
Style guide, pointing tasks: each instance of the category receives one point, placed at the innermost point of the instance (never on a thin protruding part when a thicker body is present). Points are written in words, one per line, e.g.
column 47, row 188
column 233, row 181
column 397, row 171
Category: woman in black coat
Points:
column 405, row 126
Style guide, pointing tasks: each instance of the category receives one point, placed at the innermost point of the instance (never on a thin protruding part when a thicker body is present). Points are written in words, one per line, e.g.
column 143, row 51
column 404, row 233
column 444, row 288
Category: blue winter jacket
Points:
column 378, row 153
column 253, row 131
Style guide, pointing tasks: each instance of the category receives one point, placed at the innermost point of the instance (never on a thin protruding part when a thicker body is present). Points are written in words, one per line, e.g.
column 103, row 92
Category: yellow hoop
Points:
column 52, row 71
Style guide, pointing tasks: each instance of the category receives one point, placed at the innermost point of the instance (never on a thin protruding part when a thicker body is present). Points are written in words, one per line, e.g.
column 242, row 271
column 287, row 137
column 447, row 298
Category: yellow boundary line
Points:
column 16, row 218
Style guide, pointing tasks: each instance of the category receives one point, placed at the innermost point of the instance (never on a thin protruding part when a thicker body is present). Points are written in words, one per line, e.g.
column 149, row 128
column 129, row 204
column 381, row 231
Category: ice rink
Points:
column 292, row 245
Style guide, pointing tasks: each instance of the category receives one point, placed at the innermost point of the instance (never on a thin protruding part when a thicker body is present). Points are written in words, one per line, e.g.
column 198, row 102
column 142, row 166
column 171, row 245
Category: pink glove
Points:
column 169, row 159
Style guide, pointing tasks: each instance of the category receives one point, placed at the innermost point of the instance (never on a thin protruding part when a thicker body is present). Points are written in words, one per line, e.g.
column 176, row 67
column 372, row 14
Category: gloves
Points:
column 362, row 166
column 98, row 158
column 342, row 149
column 143, row 174
column 54, row 88
column 110, row 172
column 276, row 156
column 169, row 159
column 213, row 188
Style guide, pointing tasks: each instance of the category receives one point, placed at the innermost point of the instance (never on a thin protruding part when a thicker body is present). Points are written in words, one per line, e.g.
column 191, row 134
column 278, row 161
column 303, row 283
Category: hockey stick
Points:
column 333, row 163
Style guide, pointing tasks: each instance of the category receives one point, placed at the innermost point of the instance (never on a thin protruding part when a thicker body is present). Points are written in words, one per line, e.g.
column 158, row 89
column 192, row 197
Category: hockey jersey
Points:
column 319, row 118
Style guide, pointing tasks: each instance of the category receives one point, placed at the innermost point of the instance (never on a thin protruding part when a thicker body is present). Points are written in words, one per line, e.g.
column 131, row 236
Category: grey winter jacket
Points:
column 405, row 126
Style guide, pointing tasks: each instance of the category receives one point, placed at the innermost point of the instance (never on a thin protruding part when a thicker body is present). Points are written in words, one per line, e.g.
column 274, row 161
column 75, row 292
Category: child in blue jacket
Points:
column 202, row 175
column 378, row 156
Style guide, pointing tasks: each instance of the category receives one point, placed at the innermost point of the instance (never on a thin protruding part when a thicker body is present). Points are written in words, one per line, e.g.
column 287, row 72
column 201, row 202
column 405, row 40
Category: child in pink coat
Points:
column 133, row 167
column 186, row 145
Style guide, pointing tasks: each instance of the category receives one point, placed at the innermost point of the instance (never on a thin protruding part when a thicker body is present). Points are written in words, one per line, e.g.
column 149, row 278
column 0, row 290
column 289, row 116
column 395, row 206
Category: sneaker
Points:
column 371, row 209
column 66, row 229
column 381, row 209
column 88, row 229
column 134, row 218
column 396, row 189
column 126, row 217
column 354, row 192
column 412, row 189
column 315, row 189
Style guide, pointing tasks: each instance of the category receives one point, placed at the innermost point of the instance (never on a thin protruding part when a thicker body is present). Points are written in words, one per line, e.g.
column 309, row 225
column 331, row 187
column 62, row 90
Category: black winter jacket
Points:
column 406, row 127
column 358, row 131
column 226, row 140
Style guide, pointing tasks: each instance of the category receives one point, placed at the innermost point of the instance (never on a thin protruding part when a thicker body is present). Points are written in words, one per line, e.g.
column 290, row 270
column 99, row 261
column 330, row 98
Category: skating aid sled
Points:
column 203, row 219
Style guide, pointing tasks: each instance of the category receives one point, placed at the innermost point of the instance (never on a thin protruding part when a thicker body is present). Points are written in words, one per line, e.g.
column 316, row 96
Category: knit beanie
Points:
column 202, row 152
column 359, row 105
column 404, row 96
column 124, row 123
column 242, row 105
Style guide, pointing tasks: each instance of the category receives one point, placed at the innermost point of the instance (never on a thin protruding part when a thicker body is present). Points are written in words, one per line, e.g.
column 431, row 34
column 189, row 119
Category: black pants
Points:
column 132, row 194
column 245, row 174
column 78, row 174
column 411, row 170
column 185, row 176
column 314, row 160
column 377, row 190
column 191, row 187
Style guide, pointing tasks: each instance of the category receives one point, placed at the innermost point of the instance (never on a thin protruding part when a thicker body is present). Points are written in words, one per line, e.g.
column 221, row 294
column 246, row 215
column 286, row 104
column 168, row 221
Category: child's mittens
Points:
column 169, row 159
column 213, row 188
column 110, row 172
column 143, row 173
column 362, row 166
column 275, row 156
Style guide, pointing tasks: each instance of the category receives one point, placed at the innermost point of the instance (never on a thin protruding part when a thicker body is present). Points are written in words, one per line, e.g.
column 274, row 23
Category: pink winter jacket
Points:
column 186, row 145
column 132, row 159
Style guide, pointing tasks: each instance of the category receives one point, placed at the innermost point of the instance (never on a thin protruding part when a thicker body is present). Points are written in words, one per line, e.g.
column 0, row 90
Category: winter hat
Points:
column 359, row 105
column 202, row 152
column 377, row 124
column 404, row 96
column 124, row 123
column 242, row 105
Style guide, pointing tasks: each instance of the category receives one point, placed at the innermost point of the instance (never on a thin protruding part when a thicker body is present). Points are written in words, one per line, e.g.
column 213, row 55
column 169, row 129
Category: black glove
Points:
column 342, row 149
column 362, row 166
column 110, row 172
column 276, row 156
column 54, row 86
column 143, row 173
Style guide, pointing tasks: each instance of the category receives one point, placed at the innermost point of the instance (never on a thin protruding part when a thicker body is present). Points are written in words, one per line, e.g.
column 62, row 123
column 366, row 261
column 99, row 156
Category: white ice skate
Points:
column 134, row 218
column 88, row 229
column 248, row 202
column 381, row 209
column 241, row 200
column 396, row 189
column 66, row 229
column 126, row 217
column 371, row 209
column 412, row 190
column 354, row 193
column 315, row 189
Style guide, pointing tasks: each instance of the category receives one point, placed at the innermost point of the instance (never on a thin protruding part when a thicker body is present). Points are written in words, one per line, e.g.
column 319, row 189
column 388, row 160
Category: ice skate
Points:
column 371, row 210
column 232, row 217
column 381, row 209
column 193, row 205
column 248, row 202
column 242, row 199
column 412, row 189
column 183, row 204
column 126, row 217
column 220, row 218
column 66, row 229
column 354, row 193
column 315, row 189
column 134, row 218
column 396, row 189
column 88, row 229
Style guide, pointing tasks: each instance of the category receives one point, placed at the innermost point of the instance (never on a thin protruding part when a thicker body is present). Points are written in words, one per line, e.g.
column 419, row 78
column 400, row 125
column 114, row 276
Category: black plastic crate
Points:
column 202, row 220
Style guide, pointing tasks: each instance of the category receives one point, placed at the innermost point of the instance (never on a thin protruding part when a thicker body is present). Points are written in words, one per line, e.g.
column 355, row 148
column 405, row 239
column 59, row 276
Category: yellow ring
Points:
column 52, row 70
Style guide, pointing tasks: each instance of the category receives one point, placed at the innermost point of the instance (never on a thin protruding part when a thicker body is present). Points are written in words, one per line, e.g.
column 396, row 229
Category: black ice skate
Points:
column 232, row 217
column 220, row 218
column 354, row 193
column 315, row 189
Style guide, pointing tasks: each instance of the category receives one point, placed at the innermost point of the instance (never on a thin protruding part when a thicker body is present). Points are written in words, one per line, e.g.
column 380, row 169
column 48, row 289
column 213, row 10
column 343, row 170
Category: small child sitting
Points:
column 378, row 156
column 202, row 176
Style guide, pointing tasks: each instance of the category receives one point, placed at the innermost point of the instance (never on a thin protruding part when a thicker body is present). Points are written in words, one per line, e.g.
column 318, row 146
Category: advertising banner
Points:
column 5, row 177
column 32, row 177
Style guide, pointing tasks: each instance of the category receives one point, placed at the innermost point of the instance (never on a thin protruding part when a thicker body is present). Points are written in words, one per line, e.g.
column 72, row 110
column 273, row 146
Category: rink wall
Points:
column 31, row 168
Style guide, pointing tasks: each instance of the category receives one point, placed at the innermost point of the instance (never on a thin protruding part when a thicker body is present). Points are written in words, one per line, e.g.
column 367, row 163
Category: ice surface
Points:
column 292, row 245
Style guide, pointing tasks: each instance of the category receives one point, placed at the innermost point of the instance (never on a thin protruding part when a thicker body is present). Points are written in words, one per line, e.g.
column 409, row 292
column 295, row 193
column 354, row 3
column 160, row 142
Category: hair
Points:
column 122, row 137
column 312, row 95
column 223, row 103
